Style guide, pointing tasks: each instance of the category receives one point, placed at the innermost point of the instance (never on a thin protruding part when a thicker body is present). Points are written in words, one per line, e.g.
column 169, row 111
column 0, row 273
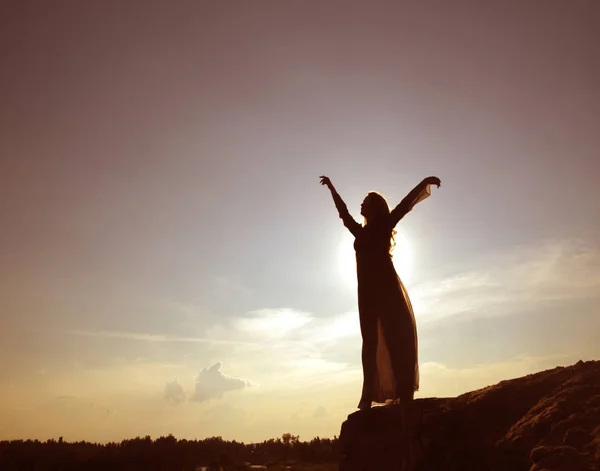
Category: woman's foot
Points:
column 363, row 405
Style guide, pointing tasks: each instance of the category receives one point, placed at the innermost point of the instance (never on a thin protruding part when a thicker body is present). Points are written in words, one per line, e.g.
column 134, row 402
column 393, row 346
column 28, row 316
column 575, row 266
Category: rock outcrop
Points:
column 546, row 421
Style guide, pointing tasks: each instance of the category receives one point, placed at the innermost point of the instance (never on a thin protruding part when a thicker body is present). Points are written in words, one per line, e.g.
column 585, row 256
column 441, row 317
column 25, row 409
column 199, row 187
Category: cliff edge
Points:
column 547, row 421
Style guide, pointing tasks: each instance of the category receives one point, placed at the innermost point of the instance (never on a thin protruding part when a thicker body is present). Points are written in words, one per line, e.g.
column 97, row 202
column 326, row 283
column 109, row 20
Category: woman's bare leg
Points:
column 369, row 358
column 368, row 328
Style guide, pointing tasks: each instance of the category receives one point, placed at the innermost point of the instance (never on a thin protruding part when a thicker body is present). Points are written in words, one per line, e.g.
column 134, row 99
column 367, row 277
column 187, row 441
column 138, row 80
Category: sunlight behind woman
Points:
column 346, row 261
column 403, row 258
column 347, row 264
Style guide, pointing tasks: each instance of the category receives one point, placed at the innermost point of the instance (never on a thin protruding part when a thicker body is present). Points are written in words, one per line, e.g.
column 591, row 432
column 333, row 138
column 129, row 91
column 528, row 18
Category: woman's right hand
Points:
column 432, row 181
column 325, row 181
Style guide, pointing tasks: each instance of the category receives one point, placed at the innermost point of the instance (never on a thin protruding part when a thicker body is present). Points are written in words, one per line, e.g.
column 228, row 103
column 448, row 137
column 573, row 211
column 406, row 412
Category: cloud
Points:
column 287, row 346
column 550, row 272
column 330, row 329
column 320, row 412
column 226, row 286
column 227, row 413
column 283, row 348
column 272, row 322
column 213, row 383
column 174, row 392
column 144, row 337
column 438, row 379
column 75, row 406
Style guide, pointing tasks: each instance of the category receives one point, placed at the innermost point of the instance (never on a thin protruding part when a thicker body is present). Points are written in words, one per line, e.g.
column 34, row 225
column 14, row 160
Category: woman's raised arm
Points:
column 353, row 226
column 417, row 194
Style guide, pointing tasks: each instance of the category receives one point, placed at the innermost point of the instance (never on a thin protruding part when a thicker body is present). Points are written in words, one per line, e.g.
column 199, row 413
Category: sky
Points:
column 169, row 262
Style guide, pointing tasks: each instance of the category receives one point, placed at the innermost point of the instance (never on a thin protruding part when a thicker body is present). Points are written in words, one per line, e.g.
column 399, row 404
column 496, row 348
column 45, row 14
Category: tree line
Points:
column 165, row 453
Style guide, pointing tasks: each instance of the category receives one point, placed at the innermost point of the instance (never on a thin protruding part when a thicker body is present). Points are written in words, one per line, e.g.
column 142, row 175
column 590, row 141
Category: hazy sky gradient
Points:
column 169, row 262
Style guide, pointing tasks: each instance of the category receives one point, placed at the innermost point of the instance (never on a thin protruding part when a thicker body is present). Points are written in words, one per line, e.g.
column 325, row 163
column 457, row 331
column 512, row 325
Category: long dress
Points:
column 387, row 322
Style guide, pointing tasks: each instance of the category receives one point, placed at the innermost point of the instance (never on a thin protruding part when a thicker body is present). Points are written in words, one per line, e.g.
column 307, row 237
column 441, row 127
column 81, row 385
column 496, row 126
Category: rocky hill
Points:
column 548, row 421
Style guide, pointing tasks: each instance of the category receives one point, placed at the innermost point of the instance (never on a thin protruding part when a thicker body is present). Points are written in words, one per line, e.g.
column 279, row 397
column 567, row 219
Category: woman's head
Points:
column 374, row 207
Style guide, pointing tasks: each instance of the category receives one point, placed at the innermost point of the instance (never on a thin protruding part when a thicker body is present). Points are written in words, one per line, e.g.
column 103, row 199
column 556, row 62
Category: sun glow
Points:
column 347, row 262
column 403, row 258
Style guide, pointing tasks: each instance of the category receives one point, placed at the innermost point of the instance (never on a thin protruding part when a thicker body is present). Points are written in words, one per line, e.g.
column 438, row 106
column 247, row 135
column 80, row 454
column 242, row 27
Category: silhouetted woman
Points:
column 387, row 322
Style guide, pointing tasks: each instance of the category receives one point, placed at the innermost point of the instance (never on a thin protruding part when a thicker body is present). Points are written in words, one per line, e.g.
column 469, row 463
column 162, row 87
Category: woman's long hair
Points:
column 379, row 210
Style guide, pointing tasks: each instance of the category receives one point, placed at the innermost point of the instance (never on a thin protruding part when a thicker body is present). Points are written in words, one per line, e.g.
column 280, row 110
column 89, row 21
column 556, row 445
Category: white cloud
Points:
column 272, row 322
column 550, row 272
column 320, row 412
column 331, row 328
column 75, row 406
column 213, row 383
column 144, row 337
column 227, row 413
column 174, row 392
column 438, row 379
column 227, row 286
column 285, row 349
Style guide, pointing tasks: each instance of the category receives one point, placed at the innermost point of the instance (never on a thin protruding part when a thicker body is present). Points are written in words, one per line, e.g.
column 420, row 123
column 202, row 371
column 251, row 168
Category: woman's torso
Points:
column 372, row 246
